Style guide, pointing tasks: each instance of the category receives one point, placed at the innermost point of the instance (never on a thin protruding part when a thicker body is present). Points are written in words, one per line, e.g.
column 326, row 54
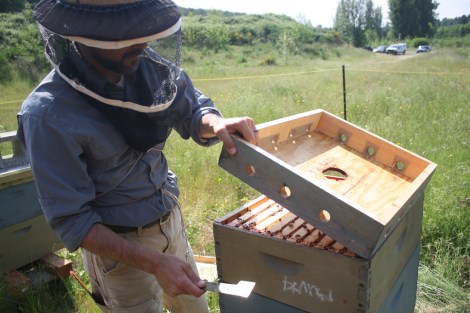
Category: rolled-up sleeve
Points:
column 63, row 184
column 189, row 107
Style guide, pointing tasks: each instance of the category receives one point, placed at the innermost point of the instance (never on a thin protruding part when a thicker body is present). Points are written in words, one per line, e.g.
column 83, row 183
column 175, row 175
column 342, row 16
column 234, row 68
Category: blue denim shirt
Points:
column 84, row 170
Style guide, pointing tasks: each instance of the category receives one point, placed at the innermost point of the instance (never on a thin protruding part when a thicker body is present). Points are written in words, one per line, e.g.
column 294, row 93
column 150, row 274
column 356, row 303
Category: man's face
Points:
column 123, row 61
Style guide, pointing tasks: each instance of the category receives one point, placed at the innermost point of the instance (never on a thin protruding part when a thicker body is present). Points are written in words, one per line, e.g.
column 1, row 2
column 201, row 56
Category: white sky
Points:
column 319, row 12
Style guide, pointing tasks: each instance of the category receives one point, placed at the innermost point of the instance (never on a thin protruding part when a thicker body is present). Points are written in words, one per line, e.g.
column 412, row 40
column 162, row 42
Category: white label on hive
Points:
column 304, row 288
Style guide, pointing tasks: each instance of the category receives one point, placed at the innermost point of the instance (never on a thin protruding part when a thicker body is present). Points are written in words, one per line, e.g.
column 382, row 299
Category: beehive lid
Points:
column 346, row 181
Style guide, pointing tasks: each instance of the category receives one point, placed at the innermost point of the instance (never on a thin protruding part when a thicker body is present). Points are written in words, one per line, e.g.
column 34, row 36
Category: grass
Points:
column 420, row 102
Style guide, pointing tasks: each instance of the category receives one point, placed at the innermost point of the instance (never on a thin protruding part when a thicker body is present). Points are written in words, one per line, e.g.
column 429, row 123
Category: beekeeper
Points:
column 95, row 128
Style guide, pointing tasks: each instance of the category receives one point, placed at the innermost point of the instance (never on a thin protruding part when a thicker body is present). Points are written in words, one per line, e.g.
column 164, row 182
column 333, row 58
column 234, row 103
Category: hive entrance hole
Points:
column 335, row 173
column 324, row 216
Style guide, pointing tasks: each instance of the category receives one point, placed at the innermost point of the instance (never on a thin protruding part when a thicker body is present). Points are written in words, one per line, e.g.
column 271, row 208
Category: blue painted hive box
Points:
column 24, row 234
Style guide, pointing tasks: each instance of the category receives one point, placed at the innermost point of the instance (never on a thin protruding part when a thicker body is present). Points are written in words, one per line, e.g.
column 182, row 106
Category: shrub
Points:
column 12, row 5
column 242, row 59
column 420, row 41
column 6, row 68
column 269, row 60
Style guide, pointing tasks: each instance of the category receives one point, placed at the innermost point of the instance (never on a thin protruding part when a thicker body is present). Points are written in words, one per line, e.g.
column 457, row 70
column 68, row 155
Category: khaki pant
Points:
column 127, row 289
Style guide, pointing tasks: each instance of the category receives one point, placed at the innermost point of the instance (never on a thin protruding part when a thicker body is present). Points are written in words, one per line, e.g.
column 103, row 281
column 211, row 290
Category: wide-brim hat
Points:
column 109, row 24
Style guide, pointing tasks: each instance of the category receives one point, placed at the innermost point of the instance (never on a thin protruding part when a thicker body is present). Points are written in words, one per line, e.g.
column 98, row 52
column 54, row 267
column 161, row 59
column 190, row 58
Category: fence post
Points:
column 344, row 93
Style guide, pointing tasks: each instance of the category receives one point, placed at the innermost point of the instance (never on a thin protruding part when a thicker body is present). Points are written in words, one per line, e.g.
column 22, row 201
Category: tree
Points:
column 350, row 20
column 355, row 18
column 426, row 18
column 412, row 18
column 286, row 45
column 373, row 18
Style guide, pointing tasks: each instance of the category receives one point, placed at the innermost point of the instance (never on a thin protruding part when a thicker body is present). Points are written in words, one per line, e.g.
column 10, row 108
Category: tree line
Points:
column 357, row 22
column 360, row 22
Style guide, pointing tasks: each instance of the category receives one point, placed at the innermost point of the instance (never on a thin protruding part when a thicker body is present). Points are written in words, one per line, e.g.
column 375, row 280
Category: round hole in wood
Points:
column 250, row 170
column 400, row 165
column 324, row 216
column 343, row 137
column 371, row 151
column 335, row 173
column 285, row 191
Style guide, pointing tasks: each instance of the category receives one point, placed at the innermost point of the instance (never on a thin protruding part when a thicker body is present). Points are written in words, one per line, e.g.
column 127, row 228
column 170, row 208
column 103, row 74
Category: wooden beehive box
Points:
column 24, row 234
column 295, row 263
column 18, row 197
column 338, row 228
column 349, row 183
column 401, row 298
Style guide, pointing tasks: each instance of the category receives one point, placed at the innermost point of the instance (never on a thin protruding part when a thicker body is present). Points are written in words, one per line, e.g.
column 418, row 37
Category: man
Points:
column 95, row 128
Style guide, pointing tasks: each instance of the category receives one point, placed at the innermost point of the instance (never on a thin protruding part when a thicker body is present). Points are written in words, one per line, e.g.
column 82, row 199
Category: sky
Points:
column 318, row 12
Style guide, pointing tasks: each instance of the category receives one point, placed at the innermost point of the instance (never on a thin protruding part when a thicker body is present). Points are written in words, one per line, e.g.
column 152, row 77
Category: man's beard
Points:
column 119, row 66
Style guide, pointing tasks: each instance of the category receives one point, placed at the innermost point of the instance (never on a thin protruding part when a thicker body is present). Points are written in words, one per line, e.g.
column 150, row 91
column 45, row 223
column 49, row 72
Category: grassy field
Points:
column 420, row 102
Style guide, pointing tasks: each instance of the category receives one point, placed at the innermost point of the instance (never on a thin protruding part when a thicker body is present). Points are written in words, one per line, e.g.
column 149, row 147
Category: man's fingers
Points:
column 244, row 126
column 249, row 131
column 225, row 137
column 196, row 285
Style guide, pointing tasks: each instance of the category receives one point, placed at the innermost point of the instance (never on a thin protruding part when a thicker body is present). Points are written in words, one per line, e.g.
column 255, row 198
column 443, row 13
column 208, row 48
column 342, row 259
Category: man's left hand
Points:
column 213, row 124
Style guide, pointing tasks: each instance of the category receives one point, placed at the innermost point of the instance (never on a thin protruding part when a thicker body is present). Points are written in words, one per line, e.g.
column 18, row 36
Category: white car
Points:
column 380, row 49
column 423, row 49
column 396, row 49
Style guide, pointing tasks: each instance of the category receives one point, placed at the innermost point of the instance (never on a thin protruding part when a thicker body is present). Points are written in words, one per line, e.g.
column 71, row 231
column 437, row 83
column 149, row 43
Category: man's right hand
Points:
column 174, row 275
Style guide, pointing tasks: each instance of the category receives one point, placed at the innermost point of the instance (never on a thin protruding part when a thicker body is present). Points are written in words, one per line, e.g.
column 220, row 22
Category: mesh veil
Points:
column 164, row 59
column 139, row 105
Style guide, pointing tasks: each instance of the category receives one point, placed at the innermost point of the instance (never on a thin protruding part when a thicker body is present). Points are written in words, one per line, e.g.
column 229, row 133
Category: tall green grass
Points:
column 420, row 102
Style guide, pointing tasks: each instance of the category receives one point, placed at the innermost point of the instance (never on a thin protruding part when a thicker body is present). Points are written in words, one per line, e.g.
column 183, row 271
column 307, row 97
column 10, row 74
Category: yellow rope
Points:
column 305, row 73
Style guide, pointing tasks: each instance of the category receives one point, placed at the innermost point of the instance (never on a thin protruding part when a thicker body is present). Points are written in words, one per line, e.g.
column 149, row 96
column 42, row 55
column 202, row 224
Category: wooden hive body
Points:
column 401, row 298
column 24, row 234
column 312, row 275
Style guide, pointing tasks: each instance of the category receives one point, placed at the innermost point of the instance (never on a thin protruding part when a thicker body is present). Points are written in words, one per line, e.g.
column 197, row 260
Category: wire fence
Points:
column 306, row 73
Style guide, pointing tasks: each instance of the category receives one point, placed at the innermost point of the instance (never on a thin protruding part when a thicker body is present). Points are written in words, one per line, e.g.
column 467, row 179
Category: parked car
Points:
column 396, row 49
column 380, row 49
column 423, row 49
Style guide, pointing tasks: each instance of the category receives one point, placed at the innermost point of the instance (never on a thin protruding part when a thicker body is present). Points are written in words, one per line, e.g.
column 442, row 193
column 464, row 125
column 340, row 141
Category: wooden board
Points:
column 14, row 176
column 206, row 266
column 291, row 163
column 56, row 265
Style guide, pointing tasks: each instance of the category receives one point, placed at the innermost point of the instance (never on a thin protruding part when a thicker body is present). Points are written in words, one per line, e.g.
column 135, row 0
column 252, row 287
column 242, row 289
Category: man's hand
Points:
column 174, row 275
column 214, row 125
column 177, row 277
